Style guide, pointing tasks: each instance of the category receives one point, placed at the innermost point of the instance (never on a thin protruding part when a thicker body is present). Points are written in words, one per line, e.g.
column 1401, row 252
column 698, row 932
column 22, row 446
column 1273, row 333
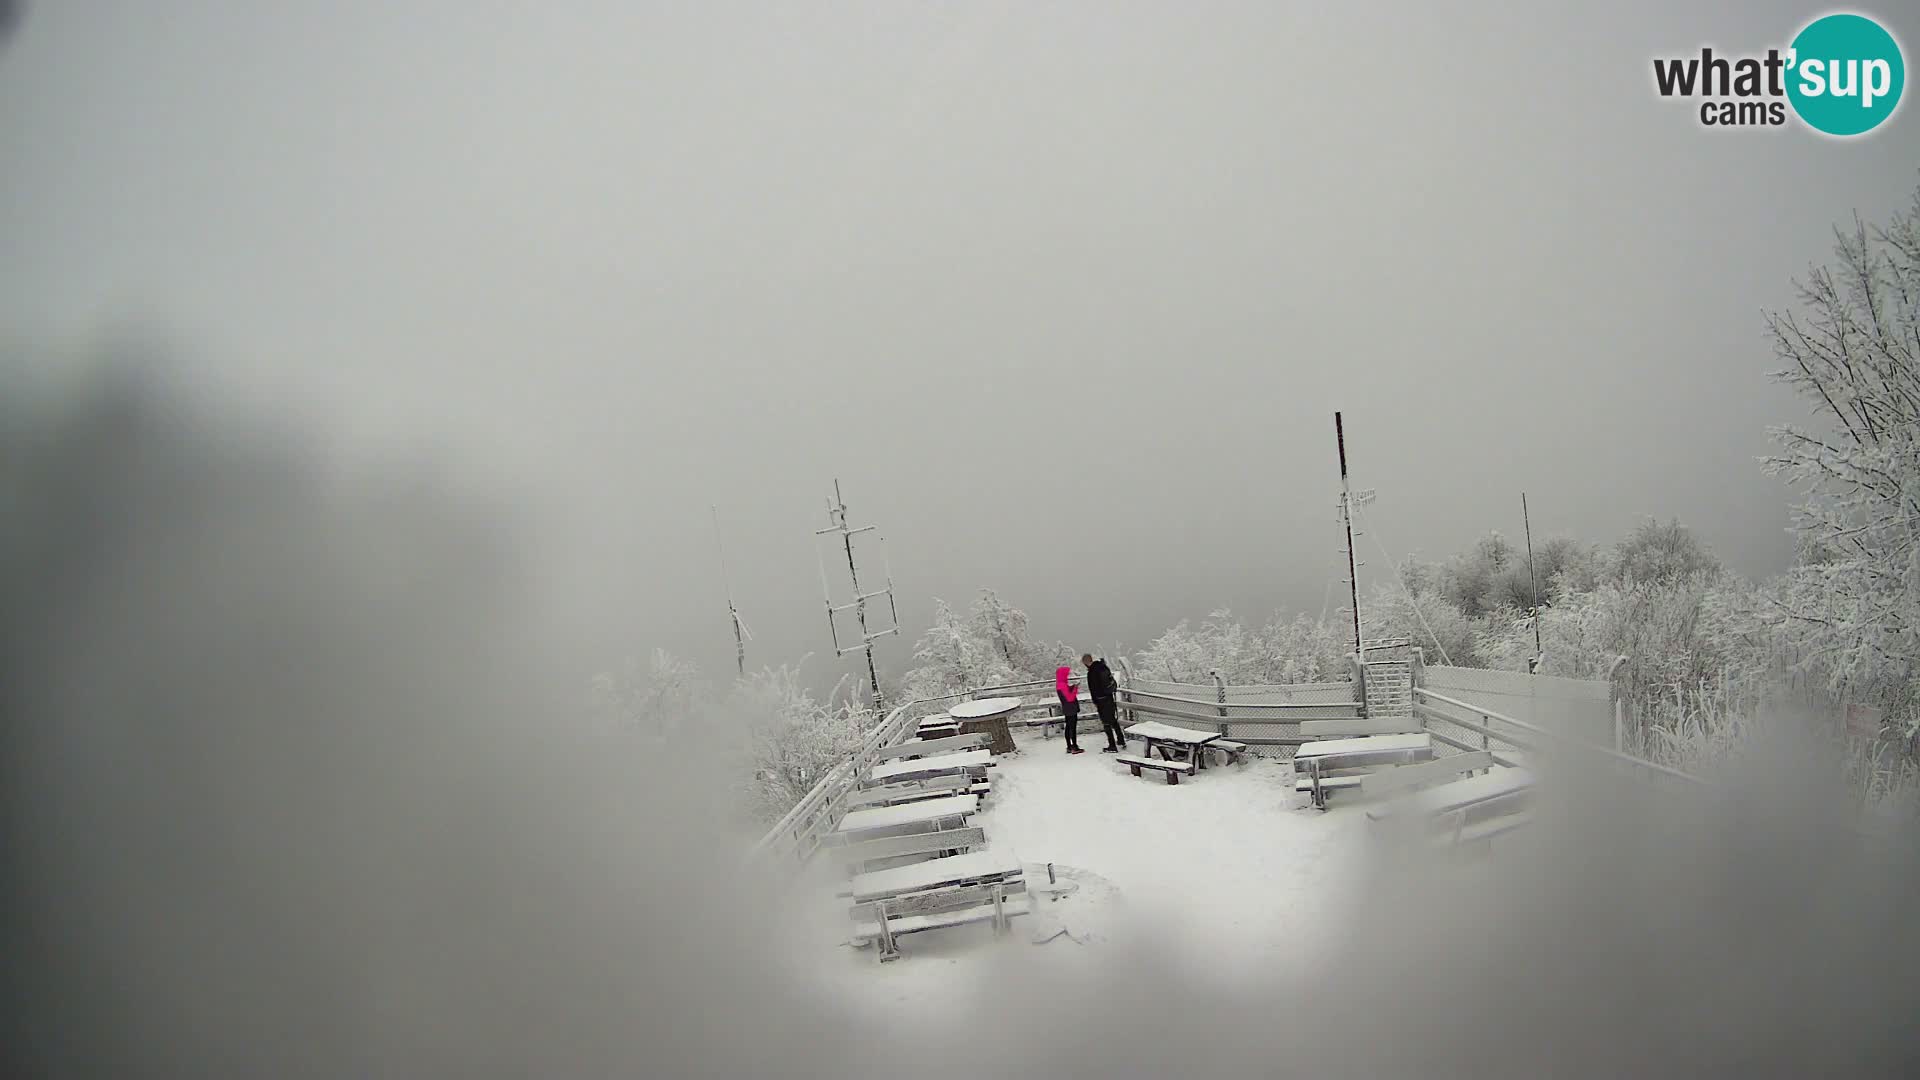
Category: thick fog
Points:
column 1065, row 295
column 292, row 789
column 368, row 371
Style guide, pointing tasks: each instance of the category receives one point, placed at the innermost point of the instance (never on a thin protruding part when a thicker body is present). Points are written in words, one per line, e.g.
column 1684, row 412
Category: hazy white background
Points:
column 1064, row 293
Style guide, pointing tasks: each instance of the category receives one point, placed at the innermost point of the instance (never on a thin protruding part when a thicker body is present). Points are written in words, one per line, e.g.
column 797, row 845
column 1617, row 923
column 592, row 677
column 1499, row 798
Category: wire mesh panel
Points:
column 1321, row 693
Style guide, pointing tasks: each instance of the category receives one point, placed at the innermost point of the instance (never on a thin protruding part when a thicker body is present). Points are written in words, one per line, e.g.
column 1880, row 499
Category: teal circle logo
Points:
column 1845, row 75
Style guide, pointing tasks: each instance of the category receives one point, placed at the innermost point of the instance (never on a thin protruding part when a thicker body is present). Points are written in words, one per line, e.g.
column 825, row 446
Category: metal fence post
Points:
column 1357, row 672
column 1619, row 704
column 1220, row 695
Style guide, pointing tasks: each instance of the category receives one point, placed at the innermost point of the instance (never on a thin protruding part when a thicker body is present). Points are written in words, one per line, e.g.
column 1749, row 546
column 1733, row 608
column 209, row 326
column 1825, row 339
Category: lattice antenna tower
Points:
column 741, row 635
column 837, row 527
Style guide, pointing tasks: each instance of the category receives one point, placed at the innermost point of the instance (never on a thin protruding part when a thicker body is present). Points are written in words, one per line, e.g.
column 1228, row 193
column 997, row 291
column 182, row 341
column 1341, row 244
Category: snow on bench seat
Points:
column 1305, row 783
column 1228, row 749
column 1483, row 831
column 1443, row 798
column 932, row 787
column 927, row 766
column 1365, row 743
column 913, row 813
column 952, row 870
column 907, row 924
column 1173, row 769
column 920, row 748
column 919, row 846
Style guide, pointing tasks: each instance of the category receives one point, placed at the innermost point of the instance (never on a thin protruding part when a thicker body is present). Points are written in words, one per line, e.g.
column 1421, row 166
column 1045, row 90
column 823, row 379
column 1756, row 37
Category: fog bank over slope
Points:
column 295, row 785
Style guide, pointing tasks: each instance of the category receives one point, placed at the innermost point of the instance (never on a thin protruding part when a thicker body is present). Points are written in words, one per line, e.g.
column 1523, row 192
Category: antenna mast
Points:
column 741, row 635
column 1346, row 519
column 837, row 526
column 1539, row 652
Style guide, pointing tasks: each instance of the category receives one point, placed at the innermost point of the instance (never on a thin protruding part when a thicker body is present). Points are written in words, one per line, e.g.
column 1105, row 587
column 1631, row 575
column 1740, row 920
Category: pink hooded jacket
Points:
column 1063, row 682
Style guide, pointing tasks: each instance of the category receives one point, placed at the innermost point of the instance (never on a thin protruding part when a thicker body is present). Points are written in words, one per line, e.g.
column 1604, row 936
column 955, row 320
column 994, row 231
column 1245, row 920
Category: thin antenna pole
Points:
column 1534, row 582
column 733, row 613
column 886, row 566
column 1346, row 515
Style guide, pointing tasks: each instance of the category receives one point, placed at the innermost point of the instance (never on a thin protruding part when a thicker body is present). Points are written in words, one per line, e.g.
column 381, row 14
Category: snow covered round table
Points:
column 988, row 715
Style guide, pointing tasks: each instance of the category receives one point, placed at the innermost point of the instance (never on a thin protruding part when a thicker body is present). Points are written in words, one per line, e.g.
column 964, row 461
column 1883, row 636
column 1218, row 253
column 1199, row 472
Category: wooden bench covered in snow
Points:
column 932, row 787
column 919, row 748
column 1228, row 749
column 972, row 762
column 974, row 868
column 1473, row 810
column 1048, row 717
column 1440, row 770
column 926, row 815
column 996, row 902
column 938, row 727
column 859, row 857
column 1174, row 770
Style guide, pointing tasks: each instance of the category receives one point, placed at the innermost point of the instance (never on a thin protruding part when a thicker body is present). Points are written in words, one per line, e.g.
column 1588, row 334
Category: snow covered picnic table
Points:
column 924, row 812
column 988, row 715
column 1386, row 744
column 1155, row 733
column 930, row 766
column 1336, row 764
column 969, row 869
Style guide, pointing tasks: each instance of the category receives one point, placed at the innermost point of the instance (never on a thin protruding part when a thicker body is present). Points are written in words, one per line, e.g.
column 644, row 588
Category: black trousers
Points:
column 1110, row 721
column 1071, row 714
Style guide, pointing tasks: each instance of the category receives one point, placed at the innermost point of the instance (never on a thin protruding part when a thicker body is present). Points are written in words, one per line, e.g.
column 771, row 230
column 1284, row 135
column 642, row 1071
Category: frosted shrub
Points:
column 792, row 738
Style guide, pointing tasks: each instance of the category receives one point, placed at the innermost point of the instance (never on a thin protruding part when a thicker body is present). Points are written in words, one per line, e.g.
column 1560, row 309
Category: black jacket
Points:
column 1100, row 682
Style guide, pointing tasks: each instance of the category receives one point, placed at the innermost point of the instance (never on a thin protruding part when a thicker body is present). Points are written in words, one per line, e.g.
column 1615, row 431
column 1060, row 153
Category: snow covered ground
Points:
column 1229, row 867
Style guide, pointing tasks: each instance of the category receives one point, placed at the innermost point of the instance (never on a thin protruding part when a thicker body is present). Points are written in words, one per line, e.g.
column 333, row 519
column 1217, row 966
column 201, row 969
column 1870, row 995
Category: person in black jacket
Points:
column 1101, row 686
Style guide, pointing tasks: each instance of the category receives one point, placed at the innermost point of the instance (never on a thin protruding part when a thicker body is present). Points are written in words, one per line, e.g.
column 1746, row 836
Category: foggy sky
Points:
column 1064, row 294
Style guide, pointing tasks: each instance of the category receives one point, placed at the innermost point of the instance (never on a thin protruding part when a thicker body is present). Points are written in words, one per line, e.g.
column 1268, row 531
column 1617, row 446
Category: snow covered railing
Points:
column 800, row 831
column 1518, row 735
column 1258, row 723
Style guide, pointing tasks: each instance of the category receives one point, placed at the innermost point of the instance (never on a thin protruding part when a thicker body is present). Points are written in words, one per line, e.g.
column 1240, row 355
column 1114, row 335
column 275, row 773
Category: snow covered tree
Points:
column 1301, row 650
column 1469, row 579
column 954, row 657
column 1004, row 628
column 1000, row 625
column 655, row 698
column 1853, row 353
column 1430, row 620
column 1191, row 655
column 793, row 739
column 1659, row 554
column 1566, row 566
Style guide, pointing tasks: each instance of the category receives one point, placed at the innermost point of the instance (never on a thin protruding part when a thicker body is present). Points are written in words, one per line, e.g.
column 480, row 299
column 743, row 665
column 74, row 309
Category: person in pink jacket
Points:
column 1069, row 706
